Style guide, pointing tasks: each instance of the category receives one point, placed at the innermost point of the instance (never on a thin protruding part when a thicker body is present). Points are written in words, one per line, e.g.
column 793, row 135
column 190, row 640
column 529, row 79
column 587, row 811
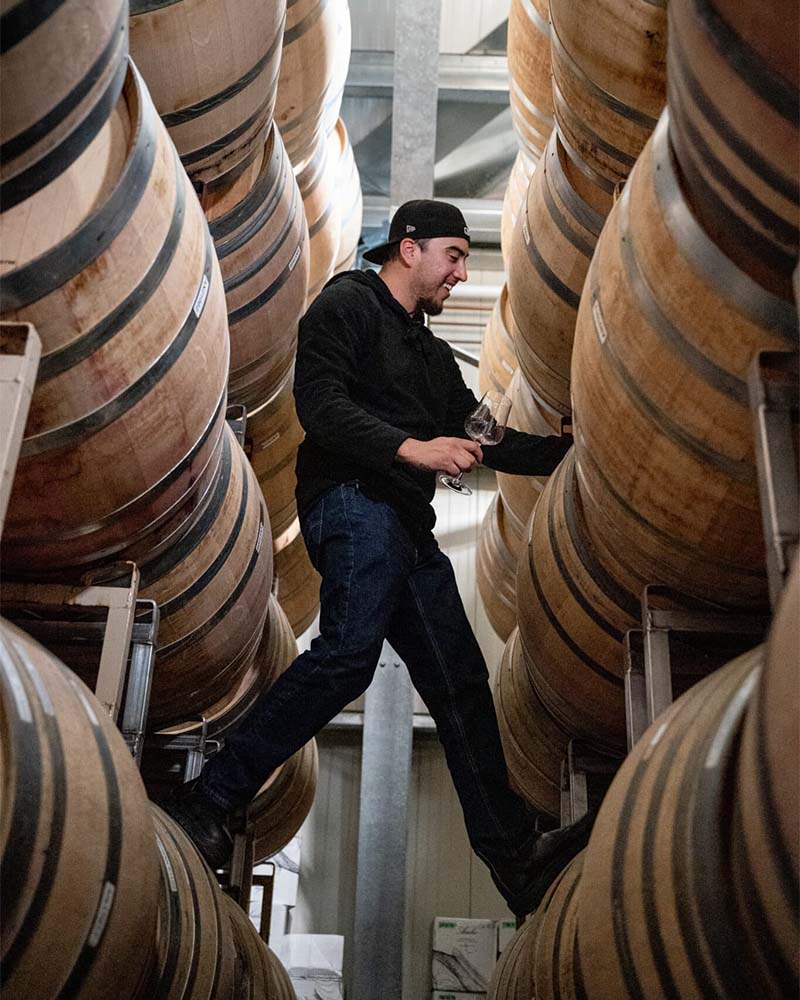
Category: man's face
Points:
column 438, row 267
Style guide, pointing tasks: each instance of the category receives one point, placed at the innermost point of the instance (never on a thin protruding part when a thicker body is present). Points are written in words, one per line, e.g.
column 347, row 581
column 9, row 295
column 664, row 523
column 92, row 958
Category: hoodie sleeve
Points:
column 331, row 353
column 519, row 452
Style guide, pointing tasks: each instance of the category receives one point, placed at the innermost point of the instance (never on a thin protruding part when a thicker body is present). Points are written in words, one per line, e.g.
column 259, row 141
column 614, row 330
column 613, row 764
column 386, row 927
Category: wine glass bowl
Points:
column 486, row 424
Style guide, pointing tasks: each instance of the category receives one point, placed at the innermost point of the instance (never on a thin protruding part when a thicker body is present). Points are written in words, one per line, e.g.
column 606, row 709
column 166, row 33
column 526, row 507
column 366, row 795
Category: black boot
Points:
column 552, row 852
column 203, row 821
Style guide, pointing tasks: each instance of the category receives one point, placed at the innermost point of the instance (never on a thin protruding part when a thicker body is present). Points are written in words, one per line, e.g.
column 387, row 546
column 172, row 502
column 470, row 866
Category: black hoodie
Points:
column 369, row 376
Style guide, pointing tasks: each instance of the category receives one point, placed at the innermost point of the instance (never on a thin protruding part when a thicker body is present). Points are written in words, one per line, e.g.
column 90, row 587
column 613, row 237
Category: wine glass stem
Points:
column 457, row 480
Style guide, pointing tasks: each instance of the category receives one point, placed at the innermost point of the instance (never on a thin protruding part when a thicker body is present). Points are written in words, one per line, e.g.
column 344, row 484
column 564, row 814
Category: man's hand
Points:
column 442, row 454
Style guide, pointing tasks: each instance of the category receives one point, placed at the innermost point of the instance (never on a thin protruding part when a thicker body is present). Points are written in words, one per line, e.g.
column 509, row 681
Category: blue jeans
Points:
column 377, row 583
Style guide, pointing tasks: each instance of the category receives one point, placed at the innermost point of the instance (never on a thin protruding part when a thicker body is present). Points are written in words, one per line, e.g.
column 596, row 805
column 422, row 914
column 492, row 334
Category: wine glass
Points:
column 486, row 424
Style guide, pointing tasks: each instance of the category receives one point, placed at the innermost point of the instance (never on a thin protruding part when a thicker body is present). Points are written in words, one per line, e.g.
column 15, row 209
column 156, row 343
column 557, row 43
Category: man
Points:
column 383, row 404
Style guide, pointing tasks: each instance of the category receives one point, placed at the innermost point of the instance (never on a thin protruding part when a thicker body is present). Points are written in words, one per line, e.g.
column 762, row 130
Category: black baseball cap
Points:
column 420, row 220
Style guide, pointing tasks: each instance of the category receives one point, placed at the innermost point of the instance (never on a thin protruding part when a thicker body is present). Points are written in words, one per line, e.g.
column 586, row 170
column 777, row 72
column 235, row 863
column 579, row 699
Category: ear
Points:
column 408, row 250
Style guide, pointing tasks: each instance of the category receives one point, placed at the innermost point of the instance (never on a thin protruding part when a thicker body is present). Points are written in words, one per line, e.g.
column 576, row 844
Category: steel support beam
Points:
column 376, row 950
column 415, row 99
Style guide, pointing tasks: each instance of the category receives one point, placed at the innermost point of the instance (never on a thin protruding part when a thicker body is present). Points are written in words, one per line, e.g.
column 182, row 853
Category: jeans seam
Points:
column 454, row 715
column 346, row 615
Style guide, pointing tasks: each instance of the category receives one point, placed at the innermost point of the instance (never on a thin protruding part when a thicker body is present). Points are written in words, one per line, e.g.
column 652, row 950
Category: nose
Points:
column 461, row 271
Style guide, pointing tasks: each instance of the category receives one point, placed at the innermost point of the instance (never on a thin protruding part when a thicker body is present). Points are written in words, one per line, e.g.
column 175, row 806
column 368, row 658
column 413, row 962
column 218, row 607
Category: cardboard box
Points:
column 506, row 929
column 314, row 963
column 464, row 954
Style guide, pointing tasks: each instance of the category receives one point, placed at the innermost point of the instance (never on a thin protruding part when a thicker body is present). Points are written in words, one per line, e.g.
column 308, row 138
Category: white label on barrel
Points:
column 17, row 690
column 525, row 231
column 599, row 323
column 295, row 256
column 200, row 298
column 508, row 367
column 103, row 911
column 260, row 537
column 655, row 740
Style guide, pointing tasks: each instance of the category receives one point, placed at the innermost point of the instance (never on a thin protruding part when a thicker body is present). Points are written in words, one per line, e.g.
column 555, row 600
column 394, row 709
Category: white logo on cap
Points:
column 411, row 229
column 466, row 231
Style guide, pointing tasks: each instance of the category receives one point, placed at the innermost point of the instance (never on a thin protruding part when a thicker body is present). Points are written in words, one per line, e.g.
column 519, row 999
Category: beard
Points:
column 429, row 306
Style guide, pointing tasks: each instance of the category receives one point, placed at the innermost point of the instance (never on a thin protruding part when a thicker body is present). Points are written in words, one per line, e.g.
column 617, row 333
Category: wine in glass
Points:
column 486, row 424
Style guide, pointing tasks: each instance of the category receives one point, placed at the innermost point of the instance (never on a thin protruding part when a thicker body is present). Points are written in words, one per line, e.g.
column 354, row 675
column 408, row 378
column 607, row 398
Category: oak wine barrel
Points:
column 765, row 833
column 54, row 106
column 498, row 360
column 666, row 332
column 574, row 606
column 282, row 804
column 272, row 438
column 261, row 238
column 529, row 91
column 534, row 743
column 212, row 68
column 496, row 570
column 77, row 848
column 514, row 199
column 734, row 86
column 655, row 915
column 316, row 53
column 609, row 80
column 316, row 177
column 348, row 185
column 552, row 247
column 113, row 264
column 259, row 973
column 194, row 941
column 211, row 587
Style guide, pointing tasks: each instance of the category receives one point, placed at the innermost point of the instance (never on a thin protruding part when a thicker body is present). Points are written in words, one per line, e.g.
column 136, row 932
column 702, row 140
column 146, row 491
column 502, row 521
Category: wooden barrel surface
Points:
column 261, row 238
column 317, row 180
column 315, row 51
column 273, row 436
column 297, row 582
column 512, row 978
column 194, row 942
column 529, row 90
column 655, row 917
column 666, row 332
column 557, row 973
column 552, row 247
column 212, row 588
column 54, row 107
column 521, row 493
column 498, row 359
column 609, row 80
column 533, row 742
column 514, row 199
column 348, row 185
column 332, row 104
column 766, row 816
column 79, row 863
column 734, row 79
column 212, row 68
column 496, row 571
column 259, row 974
column 280, row 808
column 276, row 651
column 574, row 606
column 114, row 265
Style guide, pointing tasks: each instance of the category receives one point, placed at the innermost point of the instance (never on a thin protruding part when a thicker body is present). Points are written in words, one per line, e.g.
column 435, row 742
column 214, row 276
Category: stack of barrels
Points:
column 127, row 454
column 689, row 885
column 102, row 893
column 601, row 96
column 214, row 71
column 640, row 305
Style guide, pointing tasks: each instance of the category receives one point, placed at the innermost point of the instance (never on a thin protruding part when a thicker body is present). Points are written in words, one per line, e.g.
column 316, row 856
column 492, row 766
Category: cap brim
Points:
column 378, row 254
